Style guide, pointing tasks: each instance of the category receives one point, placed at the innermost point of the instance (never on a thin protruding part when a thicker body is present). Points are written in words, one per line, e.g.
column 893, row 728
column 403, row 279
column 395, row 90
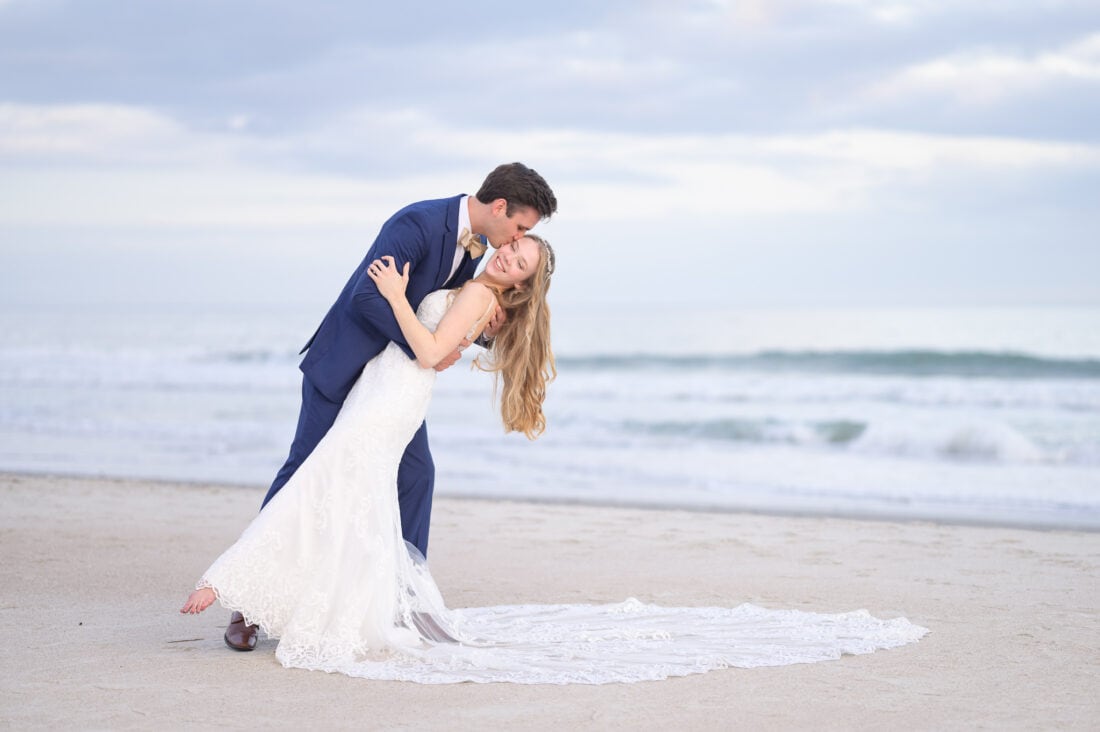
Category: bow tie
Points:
column 472, row 243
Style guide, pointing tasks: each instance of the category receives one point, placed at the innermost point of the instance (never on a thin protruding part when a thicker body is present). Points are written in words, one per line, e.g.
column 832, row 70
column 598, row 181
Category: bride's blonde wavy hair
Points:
column 520, row 355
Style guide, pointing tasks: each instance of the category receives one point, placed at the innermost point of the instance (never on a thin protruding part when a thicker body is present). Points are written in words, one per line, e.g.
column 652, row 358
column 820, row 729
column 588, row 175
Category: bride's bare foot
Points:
column 198, row 601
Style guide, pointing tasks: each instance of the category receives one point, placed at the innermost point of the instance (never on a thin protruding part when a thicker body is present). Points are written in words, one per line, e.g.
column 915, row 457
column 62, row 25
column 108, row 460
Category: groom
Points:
column 429, row 236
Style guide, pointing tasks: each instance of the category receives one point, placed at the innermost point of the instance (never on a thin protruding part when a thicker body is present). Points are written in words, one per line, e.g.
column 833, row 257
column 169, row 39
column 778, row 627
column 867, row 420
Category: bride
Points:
column 324, row 568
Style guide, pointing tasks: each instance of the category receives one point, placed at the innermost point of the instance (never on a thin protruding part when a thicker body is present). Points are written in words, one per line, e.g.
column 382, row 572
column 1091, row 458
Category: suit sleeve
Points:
column 405, row 239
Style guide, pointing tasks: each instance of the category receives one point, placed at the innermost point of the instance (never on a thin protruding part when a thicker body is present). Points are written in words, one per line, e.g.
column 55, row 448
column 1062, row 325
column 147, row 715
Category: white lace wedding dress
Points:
column 324, row 568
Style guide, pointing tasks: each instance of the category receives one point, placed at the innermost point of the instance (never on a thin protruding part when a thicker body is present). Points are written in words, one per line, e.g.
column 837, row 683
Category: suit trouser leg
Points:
column 415, row 484
column 314, row 421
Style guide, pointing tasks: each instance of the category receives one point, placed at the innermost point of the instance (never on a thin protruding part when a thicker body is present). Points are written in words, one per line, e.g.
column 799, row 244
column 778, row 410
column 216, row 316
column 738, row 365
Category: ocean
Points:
column 979, row 415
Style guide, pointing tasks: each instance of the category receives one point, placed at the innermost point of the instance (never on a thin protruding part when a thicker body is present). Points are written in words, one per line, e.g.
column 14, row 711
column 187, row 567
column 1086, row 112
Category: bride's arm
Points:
column 469, row 305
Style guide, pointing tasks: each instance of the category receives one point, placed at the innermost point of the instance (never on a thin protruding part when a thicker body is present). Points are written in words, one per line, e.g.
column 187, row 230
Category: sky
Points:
column 753, row 154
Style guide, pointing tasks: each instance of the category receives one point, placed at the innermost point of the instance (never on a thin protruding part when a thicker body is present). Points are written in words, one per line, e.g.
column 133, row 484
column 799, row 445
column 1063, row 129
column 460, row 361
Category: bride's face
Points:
column 513, row 263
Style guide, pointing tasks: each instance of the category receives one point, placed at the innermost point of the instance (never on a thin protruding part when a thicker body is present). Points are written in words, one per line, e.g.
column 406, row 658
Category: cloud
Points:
column 105, row 133
column 795, row 129
column 653, row 67
column 984, row 77
column 922, row 152
column 103, row 165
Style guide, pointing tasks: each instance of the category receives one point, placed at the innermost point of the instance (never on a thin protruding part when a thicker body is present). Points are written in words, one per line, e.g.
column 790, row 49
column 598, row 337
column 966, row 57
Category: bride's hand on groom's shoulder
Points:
column 389, row 281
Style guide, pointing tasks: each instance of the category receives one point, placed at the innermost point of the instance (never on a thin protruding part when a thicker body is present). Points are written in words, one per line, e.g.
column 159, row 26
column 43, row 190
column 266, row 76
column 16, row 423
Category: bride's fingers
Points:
column 382, row 267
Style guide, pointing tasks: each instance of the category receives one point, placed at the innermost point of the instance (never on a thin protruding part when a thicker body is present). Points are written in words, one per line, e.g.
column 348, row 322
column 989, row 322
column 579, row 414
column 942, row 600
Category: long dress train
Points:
column 325, row 570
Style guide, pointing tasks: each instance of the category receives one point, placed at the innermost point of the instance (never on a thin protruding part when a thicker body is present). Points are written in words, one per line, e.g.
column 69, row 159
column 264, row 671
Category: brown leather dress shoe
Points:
column 239, row 636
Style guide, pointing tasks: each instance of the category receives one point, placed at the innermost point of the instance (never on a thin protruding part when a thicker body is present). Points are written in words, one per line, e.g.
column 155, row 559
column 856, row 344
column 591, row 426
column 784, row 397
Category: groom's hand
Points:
column 449, row 361
column 495, row 322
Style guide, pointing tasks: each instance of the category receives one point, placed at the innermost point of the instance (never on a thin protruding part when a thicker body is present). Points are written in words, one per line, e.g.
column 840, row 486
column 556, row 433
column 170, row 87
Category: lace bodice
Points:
column 435, row 305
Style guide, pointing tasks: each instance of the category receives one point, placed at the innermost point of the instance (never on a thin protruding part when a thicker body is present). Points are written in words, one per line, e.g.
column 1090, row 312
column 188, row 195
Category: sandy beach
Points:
column 95, row 569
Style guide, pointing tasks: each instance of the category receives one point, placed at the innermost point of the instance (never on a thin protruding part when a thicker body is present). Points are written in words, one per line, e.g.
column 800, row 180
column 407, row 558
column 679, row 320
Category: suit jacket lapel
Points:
column 449, row 242
column 450, row 283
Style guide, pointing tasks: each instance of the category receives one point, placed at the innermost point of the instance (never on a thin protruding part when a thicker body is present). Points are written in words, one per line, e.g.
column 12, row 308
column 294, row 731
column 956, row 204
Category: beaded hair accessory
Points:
column 550, row 259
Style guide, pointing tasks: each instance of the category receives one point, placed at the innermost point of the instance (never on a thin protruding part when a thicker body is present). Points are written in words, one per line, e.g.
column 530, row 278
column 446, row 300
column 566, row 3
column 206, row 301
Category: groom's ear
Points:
column 499, row 207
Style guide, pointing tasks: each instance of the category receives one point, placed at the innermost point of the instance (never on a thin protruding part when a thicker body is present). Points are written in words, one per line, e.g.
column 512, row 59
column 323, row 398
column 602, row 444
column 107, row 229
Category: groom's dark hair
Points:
column 519, row 186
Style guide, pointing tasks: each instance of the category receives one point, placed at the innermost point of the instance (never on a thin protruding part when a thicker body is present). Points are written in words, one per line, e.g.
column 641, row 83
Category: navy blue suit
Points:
column 358, row 327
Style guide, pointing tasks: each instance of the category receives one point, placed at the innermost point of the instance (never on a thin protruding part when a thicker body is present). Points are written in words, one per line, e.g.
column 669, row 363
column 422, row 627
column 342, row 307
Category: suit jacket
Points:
column 361, row 323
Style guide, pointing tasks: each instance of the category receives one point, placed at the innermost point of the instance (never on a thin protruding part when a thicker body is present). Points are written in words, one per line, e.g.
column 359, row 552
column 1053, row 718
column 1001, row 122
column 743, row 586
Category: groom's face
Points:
column 504, row 229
